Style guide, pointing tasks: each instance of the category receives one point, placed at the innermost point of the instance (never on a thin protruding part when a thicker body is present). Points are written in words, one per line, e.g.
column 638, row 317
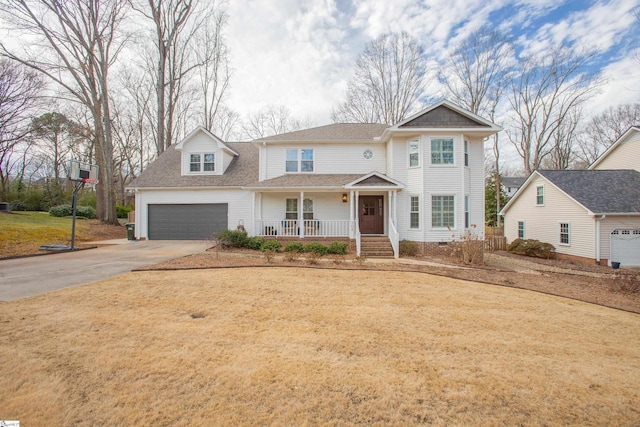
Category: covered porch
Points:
column 346, row 206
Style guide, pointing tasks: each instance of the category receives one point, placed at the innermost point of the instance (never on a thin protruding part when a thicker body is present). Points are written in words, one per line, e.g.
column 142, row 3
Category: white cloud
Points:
column 622, row 86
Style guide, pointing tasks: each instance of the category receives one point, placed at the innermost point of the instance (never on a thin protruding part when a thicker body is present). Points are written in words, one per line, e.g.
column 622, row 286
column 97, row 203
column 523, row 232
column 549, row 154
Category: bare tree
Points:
column 227, row 124
column 215, row 74
column 474, row 78
column 543, row 95
column 391, row 76
column 19, row 93
column 604, row 129
column 561, row 155
column 272, row 120
column 79, row 41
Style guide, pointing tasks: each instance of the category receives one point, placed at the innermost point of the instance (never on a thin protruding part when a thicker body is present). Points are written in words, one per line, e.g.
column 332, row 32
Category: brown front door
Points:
column 371, row 215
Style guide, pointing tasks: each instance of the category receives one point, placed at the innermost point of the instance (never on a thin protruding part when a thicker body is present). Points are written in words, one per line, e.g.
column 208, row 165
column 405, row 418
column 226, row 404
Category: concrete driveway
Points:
column 23, row 277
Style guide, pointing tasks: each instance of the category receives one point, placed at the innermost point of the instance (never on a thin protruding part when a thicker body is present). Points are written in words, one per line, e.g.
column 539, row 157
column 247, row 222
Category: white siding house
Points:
column 421, row 179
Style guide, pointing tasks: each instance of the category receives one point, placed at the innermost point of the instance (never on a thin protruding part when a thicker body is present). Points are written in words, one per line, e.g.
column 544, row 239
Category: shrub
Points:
column 270, row 245
column 468, row 247
column 313, row 258
column 232, row 238
column 123, row 211
column 269, row 256
column 291, row 256
column 316, row 248
column 532, row 248
column 294, row 247
column 87, row 197
column 60, row 211
column 337, row 248
column 408, row 248
column 255, row 243
column 86, row 212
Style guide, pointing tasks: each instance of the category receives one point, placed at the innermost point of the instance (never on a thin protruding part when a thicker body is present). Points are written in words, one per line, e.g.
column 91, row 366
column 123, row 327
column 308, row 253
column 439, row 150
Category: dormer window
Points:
column 202, row 162
column 299, row 160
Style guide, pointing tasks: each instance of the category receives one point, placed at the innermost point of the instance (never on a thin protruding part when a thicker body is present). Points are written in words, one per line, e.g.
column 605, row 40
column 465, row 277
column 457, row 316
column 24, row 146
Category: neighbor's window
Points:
column 414, row 153
column 564, row 233
column 199, row 162
column 520, row 229
column 291, row 209
column 442, row 211
column 467, row 222
column 466, row 153
column 299, row 160
column 540, row 195
column 415, row 212
column 442, row 151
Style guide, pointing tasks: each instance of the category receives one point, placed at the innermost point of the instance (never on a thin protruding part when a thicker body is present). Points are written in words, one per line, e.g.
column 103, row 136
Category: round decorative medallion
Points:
column 367, row 154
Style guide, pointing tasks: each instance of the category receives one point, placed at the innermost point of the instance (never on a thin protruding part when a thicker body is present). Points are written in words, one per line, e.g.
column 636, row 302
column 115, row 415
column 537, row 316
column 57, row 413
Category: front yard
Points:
column 295, row 346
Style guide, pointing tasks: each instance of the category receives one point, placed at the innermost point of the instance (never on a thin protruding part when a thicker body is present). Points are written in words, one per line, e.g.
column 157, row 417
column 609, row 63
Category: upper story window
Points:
column 466, row 152
column 299, row 160
column 202, row 162
column 540, row 195
column 414, row 153
column 442, row 151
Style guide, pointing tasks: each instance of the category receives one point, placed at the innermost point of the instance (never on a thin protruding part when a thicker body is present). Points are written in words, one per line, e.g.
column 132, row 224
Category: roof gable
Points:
column 632, row 130
column 374, row 179
column 217, row 141
column 598, row 191
column 446, row 115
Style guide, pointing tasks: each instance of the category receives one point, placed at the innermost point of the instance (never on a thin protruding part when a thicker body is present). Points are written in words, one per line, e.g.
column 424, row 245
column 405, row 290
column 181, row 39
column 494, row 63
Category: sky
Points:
column 301, row 53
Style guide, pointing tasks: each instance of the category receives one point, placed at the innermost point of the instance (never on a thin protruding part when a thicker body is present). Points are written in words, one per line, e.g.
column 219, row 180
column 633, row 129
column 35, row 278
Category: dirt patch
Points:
column 589, row 283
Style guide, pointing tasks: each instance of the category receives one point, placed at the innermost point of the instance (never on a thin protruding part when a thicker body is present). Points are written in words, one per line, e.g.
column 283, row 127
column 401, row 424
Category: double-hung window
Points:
column 299, row 160
column 540, row 195
column 467, row 219
column 291, row 209
column 466, row 152
column 202, row 162
column 520, row 229
column 414, row 153
column 442, row 151
column 565, row 238
column 443, row 211
column 415, row 212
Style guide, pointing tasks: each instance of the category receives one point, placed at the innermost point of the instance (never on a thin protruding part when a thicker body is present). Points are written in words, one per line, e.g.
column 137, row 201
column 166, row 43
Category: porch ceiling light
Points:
column 345, row 198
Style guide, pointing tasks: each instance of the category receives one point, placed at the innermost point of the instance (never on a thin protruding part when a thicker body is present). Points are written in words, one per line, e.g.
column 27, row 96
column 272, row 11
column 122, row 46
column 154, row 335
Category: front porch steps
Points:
column 375, row 247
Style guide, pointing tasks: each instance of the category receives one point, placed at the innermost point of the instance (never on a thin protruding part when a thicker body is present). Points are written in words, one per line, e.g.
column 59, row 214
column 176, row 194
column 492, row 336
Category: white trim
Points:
column 613, row 146
column 443, row 165
column 537, row 195
column 410, row 211
column 524, row 228
column 455, row 211
column 419, row 152
column 217, row 140
column 560, row 223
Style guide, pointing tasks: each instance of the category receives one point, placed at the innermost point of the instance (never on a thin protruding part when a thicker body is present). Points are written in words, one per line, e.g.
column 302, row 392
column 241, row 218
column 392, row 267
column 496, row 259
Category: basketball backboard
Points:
column 83, row 172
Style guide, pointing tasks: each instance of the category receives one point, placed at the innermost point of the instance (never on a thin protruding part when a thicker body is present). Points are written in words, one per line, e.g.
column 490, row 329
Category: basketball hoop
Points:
column 90, row 181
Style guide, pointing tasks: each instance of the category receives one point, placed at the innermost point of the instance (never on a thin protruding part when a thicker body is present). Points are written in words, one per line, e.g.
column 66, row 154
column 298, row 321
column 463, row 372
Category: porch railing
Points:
column 310, row 228
column 394, row 238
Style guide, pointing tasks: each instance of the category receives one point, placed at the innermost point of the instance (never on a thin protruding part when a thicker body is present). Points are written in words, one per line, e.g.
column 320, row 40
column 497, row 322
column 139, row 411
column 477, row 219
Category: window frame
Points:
column 292, row 214
column 539, row 197
column 413, row 152
column 452, row 213
column 520, row 231
column 566, row 233
column 414, row 212
column 300, row 160
column 201, row 163
column 440, row 153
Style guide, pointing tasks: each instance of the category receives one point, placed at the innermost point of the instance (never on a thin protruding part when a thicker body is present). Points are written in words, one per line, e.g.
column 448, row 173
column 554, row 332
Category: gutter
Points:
column 598, row 237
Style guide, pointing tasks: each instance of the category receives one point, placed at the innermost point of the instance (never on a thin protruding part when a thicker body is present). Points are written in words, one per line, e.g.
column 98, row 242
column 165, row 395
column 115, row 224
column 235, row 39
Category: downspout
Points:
column 598, row 238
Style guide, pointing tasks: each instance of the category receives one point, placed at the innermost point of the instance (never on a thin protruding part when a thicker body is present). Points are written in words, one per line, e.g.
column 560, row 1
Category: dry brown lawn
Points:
column 288, row 346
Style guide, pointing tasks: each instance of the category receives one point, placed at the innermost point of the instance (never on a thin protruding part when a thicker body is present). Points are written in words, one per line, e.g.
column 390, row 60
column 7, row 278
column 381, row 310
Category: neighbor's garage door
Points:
column 625, row 247
column 186, row 222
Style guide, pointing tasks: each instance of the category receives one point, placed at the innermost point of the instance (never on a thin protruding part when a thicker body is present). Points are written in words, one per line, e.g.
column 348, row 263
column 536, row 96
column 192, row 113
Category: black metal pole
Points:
column 74, row 199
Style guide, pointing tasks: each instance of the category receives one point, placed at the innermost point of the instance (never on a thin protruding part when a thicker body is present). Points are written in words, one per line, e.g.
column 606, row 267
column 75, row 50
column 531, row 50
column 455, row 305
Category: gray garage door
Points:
column 186, row 222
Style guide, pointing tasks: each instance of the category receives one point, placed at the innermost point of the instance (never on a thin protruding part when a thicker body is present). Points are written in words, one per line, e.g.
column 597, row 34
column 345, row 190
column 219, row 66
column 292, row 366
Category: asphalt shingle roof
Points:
column 333, row 132
column 307, row 180
column 600, row 191
column 512, row 181
column 165, row 170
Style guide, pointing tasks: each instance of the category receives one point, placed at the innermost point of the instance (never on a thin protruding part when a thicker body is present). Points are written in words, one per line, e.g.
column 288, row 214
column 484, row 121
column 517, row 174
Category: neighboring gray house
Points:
column 511, row 184
column 421, row 179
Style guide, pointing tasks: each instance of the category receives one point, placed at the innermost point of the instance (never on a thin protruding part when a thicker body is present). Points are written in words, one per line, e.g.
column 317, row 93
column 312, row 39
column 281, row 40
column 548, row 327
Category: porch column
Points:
column 351, row 230
column 253, row 215
column 301, row 215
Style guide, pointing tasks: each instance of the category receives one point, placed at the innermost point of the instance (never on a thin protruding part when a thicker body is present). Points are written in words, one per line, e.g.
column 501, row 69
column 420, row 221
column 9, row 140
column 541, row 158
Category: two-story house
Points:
column 421, row 179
